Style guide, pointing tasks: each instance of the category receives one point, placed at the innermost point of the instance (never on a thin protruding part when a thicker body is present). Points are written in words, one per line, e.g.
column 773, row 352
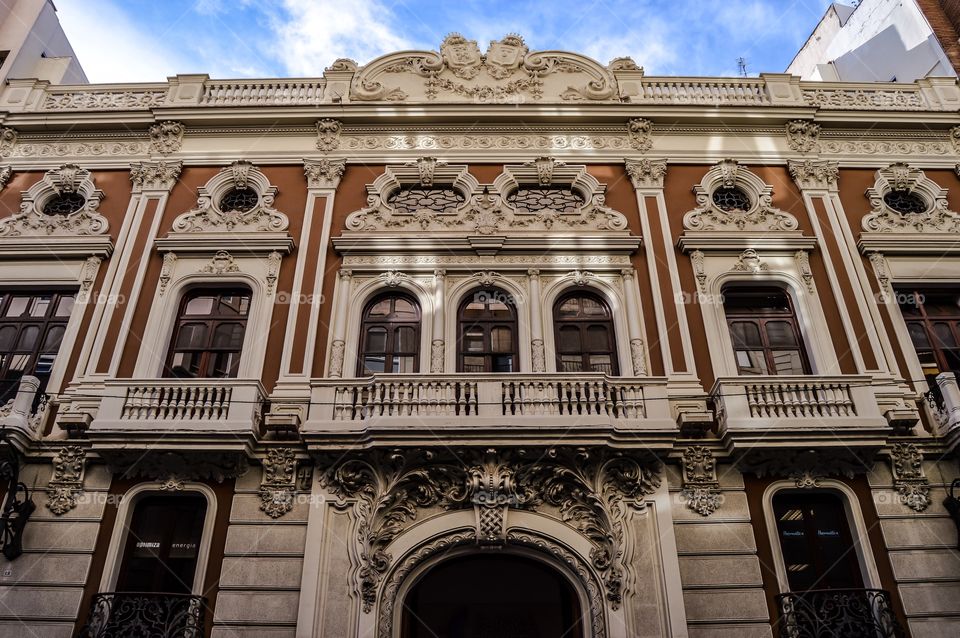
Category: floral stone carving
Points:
column 899, row 177
column 700, row 486
column 210, row 216
column 278, row 484
column 66, row 484
column 74, row 186
column 912, row 485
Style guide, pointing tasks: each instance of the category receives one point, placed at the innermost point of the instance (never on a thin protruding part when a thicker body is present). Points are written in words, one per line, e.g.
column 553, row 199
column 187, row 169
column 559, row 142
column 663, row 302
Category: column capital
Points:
column 816, row 175
column 154, row 177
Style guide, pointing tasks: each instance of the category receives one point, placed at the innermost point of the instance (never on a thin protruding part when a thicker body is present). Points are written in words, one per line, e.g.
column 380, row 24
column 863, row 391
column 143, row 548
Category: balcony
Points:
column 219, row 414
column 396, row 409
column 944, row 404
column 122, row 614
column 830, row 613
column 809, row 412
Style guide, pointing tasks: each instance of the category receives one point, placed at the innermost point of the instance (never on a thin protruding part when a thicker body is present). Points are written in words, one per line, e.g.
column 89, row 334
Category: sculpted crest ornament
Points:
column 507, row 72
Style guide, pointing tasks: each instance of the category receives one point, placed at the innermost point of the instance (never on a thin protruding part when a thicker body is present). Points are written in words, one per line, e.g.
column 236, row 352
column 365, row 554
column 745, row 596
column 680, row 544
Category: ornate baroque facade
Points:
column 282, row 355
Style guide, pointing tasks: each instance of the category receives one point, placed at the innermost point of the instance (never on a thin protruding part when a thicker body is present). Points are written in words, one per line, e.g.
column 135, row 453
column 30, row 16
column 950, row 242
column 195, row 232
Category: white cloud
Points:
column 111, row 48
column 311, row 34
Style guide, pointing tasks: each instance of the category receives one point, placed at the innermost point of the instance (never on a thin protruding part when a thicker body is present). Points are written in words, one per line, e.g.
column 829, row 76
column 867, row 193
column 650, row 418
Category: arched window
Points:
column 32, row 325
column 208, row 337
column 764, row 330
column 390, row 335
column 487, row 335
column 583, row 332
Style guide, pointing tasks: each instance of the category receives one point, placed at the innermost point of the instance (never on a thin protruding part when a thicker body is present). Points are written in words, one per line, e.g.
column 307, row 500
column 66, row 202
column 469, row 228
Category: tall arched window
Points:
column 583, row 333
column 487, row 335
column 208, row 336
column 390, row 335
column 764, row 330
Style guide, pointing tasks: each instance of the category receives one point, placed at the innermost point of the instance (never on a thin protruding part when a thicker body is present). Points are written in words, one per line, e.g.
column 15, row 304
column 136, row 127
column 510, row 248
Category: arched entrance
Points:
column 492, row 596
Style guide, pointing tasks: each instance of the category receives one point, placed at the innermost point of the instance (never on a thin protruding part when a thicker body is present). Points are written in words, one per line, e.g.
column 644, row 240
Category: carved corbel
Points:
column 803, row 135
column 646, row 173
column 166, row 137
column 701, row 490
column 911, row 482
column 328, row 134
column 8, row 139
column 803, row 265
column 66, row 484
column 639, row 130
column 278, row 485
column 699, row 269
column 5, row 174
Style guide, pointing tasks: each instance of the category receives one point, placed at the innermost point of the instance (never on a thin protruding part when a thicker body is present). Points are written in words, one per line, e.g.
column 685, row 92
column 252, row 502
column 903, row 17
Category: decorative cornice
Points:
column 761, row 215
column 166, row 137
column 803, row 135
column 324, row 174
column 154, row 176
column 646, row 173
column 815, row 174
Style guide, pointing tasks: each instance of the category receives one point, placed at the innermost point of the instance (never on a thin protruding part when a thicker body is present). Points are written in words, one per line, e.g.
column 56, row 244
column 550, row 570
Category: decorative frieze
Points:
column 646, row 173
column 66, row 484
column 803, row 135
column 166, row 137
column 815, row 174
column 154, row 176
column 324, row 174
column 912, row 485
column 701, row 489
column 277, row 486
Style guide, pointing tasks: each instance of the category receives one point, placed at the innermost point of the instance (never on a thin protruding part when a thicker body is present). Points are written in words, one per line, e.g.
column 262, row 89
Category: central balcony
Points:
column 121, row 614
column 400, row 409
column 219, row 414
column 823, row 413
column 831, row 613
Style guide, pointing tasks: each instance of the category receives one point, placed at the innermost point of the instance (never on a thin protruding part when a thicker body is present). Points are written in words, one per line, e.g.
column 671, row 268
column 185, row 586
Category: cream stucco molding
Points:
column 761, row 216
column 646, row 174
column 937, row 218
column 323, row 174
column 817, row 175
column 166, row 137
column 154, row 177
column 8, row 139
column 507, row 73
column 67, row 180
column 803, row 136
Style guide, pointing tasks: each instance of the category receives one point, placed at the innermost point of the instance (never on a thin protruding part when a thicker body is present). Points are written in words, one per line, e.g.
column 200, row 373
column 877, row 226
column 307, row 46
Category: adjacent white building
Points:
column 33, row 44
column 876, row 41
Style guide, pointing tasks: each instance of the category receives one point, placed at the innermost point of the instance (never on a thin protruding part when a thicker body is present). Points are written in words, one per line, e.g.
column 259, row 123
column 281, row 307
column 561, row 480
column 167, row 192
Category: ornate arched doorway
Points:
column 492, row 595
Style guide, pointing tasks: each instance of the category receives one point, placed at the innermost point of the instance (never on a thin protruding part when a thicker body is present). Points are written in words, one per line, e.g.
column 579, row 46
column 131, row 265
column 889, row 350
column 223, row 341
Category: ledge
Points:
column 484, row 245
column 739, row 241
column 234, row 243
column 909, row 244
column 55, row 247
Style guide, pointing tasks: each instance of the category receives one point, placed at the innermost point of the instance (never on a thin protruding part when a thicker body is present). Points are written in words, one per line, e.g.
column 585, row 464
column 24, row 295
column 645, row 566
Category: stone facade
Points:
column 649, row 483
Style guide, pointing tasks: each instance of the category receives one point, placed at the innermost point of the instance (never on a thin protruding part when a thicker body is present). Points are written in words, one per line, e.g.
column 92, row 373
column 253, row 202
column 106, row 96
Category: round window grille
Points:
column 905, row 202
column 239, row 199
column 730, row 199
column 64, row 204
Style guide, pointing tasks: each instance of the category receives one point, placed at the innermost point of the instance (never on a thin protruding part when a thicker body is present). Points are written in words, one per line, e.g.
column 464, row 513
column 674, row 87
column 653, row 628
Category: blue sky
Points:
column 145, row 40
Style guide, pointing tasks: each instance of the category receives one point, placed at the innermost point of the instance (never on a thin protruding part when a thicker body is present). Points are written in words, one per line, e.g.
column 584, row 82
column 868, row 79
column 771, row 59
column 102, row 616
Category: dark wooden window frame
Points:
column 924, row 319
column 45, row 324
column 212, row 321
column 488, row 324
column 584, row 322
column 391, row 326
column 760, row 318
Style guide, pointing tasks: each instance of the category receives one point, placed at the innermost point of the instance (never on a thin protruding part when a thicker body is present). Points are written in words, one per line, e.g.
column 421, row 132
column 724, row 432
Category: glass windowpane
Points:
column 780, row 333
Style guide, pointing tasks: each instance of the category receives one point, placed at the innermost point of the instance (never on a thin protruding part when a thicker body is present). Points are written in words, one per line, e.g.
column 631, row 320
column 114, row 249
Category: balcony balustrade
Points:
column 803, row 411
column 124, row 614
column 500, row 405
column 181, row 410
column 830, row 613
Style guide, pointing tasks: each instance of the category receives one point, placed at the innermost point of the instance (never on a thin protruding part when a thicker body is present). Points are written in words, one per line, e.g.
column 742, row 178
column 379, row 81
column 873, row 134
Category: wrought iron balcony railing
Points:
column 130, row 614
column 838, row 613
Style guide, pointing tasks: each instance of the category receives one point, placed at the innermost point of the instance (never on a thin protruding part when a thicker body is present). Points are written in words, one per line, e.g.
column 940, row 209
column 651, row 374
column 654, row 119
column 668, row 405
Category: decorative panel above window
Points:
column 62, row 208
column 448, row 203
column 234, row 210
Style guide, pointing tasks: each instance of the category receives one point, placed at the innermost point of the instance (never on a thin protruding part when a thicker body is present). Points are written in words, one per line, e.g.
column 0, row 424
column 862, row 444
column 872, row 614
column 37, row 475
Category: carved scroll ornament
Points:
column 36, row 220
